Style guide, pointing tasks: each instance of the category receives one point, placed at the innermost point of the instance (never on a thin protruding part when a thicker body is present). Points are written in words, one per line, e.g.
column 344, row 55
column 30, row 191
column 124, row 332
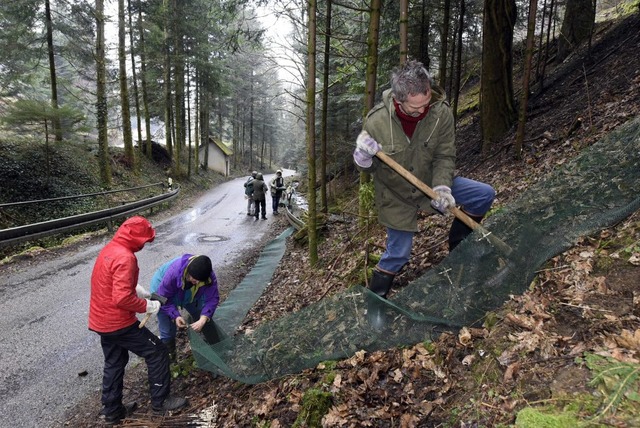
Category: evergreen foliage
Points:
column 37, row 112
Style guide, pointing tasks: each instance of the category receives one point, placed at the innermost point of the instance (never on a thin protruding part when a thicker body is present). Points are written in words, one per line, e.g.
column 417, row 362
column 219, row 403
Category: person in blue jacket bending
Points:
column 187, row 282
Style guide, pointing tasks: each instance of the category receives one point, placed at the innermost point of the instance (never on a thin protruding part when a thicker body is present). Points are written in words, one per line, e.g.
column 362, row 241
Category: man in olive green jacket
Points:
column 259, row 191
column 414, row 125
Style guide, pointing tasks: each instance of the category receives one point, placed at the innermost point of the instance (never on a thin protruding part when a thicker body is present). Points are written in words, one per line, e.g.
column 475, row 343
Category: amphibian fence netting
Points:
column 600, row 187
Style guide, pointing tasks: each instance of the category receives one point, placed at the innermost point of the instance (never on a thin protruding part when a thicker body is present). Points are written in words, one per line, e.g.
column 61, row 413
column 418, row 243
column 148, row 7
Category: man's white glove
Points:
column 366, row 149
column 444, row 201
column 153, row 306
column 142, row 292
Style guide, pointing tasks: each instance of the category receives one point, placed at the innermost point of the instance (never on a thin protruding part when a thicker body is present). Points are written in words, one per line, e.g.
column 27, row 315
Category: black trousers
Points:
column 261, row 204
column 143, row 343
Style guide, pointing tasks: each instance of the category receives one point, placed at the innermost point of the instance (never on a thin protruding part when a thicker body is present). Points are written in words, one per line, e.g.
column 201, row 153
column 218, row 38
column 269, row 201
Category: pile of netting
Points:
column 596, row 190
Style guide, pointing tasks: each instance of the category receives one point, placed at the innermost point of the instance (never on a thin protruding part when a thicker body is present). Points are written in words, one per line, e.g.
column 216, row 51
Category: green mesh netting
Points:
column 597, row 189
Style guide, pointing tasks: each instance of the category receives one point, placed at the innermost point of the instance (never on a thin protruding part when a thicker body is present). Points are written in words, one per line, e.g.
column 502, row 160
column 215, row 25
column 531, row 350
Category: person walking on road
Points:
column 260, row 190
column 187, row 282
column 276, row 185
column 248, row 193
column 112, row 315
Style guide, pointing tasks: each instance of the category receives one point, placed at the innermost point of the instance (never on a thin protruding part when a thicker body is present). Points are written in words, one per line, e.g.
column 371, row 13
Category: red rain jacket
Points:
column 114, row 303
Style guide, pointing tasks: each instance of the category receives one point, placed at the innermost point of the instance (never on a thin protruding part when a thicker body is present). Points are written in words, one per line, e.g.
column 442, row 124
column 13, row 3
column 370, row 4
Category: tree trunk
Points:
column 577, row 25
column 220, row 120
column 324, row 204
column 188, row 90
column 373, row 38
column 425, row 23
column 101, row 98
column 57, row 126
column 311, row 133
column 456, row 81
column 263, row 145
column 370, row 84
column 243, row 140
column 167, row 78
column 198, row 89
column 539, row 57
column 178, row 61
column 134, row 78
column 404, row 21
column 444, row 38
column 251, row 125
column 497, row 110
column 124, row 89
column 452, row 61
column 524, row 100
column 235, row 132
column 204, row 119
column 143, row 82
column 552, row 7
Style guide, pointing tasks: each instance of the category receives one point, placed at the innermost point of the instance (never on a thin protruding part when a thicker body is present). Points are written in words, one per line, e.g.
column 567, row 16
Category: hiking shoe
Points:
column 117, row 417
column 170, row 403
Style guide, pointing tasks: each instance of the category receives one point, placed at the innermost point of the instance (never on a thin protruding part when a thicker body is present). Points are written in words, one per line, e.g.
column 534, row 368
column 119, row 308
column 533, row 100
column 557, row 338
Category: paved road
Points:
column 44, row 341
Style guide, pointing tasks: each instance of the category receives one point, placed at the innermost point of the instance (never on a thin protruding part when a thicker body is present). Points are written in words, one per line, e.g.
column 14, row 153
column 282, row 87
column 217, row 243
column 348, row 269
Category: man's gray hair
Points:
column 412, row 78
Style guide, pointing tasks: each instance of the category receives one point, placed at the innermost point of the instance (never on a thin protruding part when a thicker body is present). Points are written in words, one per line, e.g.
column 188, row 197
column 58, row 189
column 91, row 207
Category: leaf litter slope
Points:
column 586, row 299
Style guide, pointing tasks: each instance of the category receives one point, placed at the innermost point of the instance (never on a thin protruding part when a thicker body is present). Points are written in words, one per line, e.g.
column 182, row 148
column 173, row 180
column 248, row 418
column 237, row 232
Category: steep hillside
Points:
column 528, row 361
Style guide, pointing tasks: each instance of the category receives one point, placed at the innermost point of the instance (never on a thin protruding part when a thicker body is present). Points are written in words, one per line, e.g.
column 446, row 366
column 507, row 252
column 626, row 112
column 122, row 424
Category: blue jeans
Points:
column 474, row 197
column 275, row 201
column 167, row 326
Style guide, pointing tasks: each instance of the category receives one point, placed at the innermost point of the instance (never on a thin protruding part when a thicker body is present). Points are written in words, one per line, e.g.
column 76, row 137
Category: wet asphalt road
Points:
column 49, row 360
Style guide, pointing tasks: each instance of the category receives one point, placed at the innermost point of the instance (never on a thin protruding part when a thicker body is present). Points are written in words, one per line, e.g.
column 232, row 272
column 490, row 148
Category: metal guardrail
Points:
column 85, row 195
column 294, row 221
column 38, row 230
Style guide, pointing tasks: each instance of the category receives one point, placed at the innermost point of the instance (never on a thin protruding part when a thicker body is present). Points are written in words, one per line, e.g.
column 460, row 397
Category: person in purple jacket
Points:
column 187, row 282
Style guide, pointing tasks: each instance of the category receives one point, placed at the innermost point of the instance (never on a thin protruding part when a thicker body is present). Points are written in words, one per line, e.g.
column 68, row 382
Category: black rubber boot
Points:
column 459, row 231
column 381, row 285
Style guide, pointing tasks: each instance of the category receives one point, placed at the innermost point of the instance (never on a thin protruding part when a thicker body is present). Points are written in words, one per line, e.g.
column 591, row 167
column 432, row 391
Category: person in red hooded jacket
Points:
column 112, row 314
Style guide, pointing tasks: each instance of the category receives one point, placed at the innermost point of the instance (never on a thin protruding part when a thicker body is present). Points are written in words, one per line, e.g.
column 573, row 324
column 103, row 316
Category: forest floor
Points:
column 587, row 299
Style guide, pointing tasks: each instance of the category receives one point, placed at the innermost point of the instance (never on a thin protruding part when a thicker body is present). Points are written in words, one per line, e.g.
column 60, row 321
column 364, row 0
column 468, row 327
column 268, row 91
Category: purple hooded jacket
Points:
column 169, row 281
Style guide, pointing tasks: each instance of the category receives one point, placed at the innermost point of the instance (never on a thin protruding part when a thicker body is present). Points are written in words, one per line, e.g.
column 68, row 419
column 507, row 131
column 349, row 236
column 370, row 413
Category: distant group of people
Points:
column 255, row 190
column 187, row 282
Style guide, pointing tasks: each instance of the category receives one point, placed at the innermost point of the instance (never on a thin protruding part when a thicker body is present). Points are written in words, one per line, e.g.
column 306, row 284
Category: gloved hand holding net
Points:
column 445, row 199
column 366, row 149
